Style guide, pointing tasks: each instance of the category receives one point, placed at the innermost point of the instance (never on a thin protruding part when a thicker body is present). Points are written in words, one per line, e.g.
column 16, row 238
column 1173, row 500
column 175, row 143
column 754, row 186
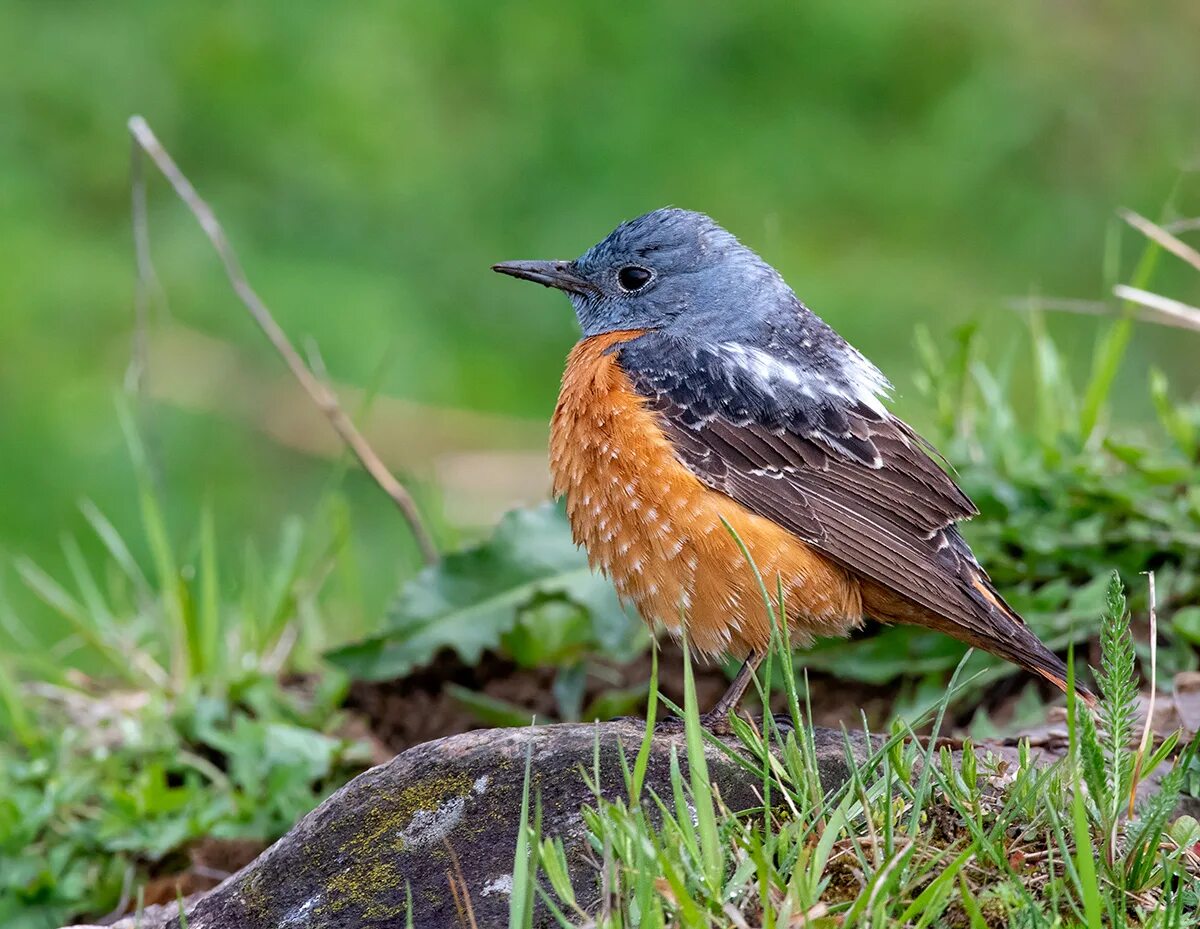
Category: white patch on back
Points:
column 864, row 383
column 867, row 382
column 764, row 366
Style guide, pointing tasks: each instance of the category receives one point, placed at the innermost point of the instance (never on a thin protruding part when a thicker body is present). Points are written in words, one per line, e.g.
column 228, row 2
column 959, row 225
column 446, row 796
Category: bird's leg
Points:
column 717, row 719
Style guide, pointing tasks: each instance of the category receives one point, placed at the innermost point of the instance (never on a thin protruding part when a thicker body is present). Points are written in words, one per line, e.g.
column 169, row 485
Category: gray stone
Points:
column 350, row 862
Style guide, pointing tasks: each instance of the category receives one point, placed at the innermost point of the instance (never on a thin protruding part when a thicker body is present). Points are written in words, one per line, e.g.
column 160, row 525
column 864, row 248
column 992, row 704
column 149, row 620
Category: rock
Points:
column 350, row 862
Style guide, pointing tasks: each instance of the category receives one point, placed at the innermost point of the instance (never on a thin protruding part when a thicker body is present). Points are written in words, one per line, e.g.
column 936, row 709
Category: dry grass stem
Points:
column 1191, row 224
column 1059, row 305
column 1165, row 310
column 1147, row 728
column 320, row 393
column 1157, row 233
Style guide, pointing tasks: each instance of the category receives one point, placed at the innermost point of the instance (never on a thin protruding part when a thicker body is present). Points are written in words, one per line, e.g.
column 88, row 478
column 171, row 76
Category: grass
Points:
column 913, row 838
column 1065, row 494
column 184, row 727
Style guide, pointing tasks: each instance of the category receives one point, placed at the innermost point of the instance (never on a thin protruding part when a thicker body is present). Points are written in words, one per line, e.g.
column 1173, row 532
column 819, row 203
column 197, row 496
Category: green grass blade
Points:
column 50, row 592
column 698, row 773
column 930, row 901
column 1087, row 883
column 1085, row 862
column 643, row 756
column 13, row 712
column 115, row 545
column 170, row 585
column 922, row 793
column 94, row 602
column 520, row 904
column 281, row 604
column 1110, row 351
column 971, row 905
column 208, row 638
column 489, row 710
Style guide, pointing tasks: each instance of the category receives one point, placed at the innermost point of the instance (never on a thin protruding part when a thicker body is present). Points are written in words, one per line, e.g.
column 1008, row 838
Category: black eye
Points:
column 633, row 277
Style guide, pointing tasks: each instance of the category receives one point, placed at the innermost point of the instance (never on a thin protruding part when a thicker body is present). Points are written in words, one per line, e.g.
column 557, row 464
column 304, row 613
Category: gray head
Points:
column 669, row 269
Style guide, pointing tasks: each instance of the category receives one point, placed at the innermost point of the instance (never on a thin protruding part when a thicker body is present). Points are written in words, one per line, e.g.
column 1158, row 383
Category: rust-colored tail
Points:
column 987, row 622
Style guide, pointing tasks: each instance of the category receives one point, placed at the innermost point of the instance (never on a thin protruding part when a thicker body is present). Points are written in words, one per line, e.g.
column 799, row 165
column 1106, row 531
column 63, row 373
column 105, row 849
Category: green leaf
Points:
column 473, row 597
column 609, row 704
column 524, row 872
column 1186, row 623
column 490, row 711
column 706, row 818
column 899, row 651
column 551, row 631
column 569, row 686
column 1173, row 417
column 1185, row 831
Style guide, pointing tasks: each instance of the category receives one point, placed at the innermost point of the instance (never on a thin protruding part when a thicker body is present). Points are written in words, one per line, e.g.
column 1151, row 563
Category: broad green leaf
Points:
column 473, row 597
column 895, row 652
column 1186, row 623
column 491, row 711
column 625, row 701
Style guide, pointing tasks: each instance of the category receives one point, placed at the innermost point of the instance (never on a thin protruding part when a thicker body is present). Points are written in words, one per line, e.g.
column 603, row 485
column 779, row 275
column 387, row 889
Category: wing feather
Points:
column 797, row 440
column 853, row 481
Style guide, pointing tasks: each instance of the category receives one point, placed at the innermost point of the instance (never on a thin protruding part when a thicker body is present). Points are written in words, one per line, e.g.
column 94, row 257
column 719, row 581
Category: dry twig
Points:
column 1147, row 729
column 136, row 374
column 320, row 393
column 1164, row 310
column 1148, row 307
column 1157, row 233
column 460, row 889
column 1059, row 305
column 1191, row 224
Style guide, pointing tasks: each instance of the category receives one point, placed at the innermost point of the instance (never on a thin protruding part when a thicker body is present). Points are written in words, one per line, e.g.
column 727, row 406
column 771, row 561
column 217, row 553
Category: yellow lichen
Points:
column 360, row 886
column 392, row 811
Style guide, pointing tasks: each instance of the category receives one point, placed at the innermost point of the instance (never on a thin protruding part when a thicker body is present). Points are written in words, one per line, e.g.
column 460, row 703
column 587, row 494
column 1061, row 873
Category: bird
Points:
column 714, row 439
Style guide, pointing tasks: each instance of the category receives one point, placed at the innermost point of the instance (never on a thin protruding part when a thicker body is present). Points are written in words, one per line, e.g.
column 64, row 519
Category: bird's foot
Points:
column 675, row 725
column 718, row 723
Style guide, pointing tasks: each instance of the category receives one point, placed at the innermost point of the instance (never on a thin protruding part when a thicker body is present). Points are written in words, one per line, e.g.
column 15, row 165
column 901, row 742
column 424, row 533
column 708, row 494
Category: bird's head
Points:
column 669, row 269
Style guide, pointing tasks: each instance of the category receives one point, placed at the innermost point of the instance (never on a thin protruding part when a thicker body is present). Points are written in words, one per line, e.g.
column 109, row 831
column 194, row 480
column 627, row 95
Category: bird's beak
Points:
column 557, row 274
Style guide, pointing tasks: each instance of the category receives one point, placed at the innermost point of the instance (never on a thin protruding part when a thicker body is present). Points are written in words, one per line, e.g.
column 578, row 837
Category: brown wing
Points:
column 892, row 523
column 846, row 477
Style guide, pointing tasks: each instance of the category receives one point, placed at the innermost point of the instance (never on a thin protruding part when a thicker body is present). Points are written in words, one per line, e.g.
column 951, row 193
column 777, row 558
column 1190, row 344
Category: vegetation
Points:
column 1065, row 497
column 190, row 729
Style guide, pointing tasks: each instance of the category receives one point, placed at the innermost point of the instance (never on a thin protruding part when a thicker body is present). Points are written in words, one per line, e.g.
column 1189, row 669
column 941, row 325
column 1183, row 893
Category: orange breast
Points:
column 649, row 523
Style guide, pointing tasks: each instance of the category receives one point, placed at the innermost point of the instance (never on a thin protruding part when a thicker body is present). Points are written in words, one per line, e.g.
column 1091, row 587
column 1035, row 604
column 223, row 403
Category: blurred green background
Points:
column 900, row 163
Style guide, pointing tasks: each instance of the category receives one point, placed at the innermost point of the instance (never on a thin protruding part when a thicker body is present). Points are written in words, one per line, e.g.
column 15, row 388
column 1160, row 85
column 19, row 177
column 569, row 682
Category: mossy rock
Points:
column 452, row 806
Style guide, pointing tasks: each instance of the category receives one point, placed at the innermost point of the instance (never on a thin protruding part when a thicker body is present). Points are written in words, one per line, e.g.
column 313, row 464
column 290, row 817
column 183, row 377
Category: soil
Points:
column 209, row 862
column 407, row 712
